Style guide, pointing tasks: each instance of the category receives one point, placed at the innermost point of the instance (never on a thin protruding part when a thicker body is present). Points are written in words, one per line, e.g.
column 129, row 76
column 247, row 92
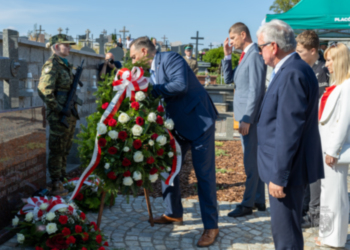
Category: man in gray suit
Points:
column 249, row 78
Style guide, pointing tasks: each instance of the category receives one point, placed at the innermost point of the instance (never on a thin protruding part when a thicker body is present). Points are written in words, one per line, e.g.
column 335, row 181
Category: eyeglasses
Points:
column 333, row 44
column 262, row 46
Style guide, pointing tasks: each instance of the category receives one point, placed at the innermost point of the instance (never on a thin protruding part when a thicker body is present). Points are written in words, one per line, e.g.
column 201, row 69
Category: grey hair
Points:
column 279, row 32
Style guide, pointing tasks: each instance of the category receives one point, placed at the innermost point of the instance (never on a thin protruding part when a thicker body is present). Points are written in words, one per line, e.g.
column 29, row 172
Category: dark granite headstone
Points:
column 22, row 161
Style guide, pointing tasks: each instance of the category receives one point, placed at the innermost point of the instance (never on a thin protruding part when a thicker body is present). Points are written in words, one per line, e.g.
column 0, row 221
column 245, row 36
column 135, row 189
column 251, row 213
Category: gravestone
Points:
column 88, row 49
column 197, row 38
column 102, row 41
column 118, row 53
column 22, row 161
column 12, row 69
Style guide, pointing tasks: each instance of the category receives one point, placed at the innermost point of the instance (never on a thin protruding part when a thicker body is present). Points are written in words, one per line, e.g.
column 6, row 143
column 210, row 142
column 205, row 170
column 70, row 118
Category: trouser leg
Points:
column 68, row 139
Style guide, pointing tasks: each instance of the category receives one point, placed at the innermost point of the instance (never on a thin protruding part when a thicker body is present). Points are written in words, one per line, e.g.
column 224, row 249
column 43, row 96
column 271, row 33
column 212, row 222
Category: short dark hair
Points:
column 144, row 42
column 309, row 39
column 238, row 28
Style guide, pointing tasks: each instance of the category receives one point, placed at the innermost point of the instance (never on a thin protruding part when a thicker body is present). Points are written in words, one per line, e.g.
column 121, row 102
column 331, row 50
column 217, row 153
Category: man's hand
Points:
column 227, row 47
column 244, row 128
column 331, row 161
column 276, row 191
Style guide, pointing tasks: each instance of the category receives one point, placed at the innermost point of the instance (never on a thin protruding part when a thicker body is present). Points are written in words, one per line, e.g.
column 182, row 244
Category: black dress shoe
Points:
column 240, row 211
column 260, row 207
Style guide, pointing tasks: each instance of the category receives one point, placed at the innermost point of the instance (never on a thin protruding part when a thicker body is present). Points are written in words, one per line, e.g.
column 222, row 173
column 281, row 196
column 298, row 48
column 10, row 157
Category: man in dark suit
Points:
column 194, row 114
column 289, row 147
column 249, row 78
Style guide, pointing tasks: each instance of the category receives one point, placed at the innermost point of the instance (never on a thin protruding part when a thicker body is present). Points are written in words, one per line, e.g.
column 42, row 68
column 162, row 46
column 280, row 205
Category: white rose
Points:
column 44, row 206
column 107, row 166
column 152, row 117
column 15, row 221
column 51, row 228
column 137, row 130
column 123, row 118
column 29, row 217
column 168, row 169
column 50, row 216
column 151, row 142
column 138, row 156
column 63, row 209
column 101, row 129
column 169, row 124
column 137, row 176
column 170, row 154
column 127, row 181
column 161, row 140
column 153, row 177
column 140, row 96
column 126, row 149
column 20, row 238
column 113, row 134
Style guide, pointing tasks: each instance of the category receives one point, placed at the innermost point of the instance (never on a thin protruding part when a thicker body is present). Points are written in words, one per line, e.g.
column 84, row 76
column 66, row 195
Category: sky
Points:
column 178, row 20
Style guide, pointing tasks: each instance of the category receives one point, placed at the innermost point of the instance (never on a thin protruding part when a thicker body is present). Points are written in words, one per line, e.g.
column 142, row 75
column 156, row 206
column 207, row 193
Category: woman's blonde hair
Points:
column 340, row 54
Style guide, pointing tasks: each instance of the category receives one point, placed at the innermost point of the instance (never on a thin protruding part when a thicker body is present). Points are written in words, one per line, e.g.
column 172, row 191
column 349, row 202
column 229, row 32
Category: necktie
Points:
column 153, row 77
column 241, row 58
column 272, row 76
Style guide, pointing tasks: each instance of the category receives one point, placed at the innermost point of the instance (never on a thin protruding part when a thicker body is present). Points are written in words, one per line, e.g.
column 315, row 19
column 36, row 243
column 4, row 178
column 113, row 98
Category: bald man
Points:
column 107, row 66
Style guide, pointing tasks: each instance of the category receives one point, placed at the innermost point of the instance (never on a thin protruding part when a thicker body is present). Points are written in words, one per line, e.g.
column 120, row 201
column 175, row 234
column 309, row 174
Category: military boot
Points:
column 58, row 189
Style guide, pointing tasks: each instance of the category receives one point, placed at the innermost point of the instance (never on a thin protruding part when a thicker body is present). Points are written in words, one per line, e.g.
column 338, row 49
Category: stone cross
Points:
column 40, row 30
column 124, row 31
column 211, row 45
column 164, row 38
column 67, row 31
column 87, row 37
column 59, row 30
column 197, row 38
column 12, row 69
column 102, row 41
column 104, row 32
column 166, row 45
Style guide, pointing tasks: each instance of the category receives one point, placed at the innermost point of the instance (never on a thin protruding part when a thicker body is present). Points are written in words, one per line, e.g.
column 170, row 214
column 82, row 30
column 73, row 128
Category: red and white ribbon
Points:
column 177, row 163
column 34, row 203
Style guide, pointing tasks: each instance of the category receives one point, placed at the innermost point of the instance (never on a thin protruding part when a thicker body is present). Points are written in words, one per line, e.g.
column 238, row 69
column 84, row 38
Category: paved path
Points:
column 127, row 227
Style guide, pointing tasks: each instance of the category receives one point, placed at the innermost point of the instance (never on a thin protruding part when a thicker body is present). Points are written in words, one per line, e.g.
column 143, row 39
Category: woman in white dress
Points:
column 334, row 124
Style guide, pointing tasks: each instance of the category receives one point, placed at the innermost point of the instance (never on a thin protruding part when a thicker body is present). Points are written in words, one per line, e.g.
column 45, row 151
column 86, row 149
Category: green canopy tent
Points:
column 317, row 14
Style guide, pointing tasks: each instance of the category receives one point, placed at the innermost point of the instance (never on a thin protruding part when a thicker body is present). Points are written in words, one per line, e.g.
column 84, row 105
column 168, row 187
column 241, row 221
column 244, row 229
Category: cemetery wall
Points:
column 36, row 55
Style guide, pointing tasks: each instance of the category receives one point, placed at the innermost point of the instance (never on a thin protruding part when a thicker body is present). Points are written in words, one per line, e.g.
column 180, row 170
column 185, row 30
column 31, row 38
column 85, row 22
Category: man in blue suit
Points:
column 289, row 147
column 194, row 114
column 249, row 78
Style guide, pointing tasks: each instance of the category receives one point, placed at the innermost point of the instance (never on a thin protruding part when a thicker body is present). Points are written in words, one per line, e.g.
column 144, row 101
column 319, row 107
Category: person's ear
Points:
column 313, row 51
column 243, row 35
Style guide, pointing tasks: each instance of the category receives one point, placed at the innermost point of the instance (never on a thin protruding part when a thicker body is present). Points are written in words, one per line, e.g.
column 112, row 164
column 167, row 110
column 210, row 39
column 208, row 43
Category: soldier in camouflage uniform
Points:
column 192, row 62
column 55, row 83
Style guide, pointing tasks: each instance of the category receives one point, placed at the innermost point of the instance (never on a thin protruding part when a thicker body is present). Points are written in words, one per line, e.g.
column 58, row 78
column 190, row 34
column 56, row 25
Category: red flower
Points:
column 83, row 248
column 172, row 143
column 106, row 244
column 137, row 144
column 70, row 240
column 112, row 122
column 66, row 231
column 150, row 160
column 126, row 162
column 70, row 209
column 135, row 105
column 57, row 242
column 160, row 109
column 39, row 248
column 154, row 137
column 159, row 120
column 153, row 171
column 40, row 213
column 105, row 105
column 139, row 183
column 78, row 229
column 79, row 197
column 112, row 150
column 82, row 216
column 94, row 224
column 101, row 248
column 99, row 239
column 111, row 175
column 86, row 236
column 140, row 121
column 161, row 167
column 122, row 135
column 127, row 174
column 63, row 219
column 102, row 142
column 160, row 152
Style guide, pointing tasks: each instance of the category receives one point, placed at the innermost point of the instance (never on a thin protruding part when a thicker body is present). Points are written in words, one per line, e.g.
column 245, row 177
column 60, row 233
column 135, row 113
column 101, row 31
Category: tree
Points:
column 215, row 56
column 280, row 6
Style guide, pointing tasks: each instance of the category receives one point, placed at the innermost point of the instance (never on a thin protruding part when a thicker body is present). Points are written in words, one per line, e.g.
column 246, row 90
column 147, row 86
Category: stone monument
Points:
column 102, row 41
column 118, row 53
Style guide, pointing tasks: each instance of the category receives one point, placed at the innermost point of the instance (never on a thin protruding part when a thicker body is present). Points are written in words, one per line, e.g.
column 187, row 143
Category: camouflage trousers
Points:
column 60, row 143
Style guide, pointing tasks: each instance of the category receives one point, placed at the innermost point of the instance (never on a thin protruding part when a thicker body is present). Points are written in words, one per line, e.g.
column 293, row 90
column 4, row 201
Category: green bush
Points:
column 215, row 56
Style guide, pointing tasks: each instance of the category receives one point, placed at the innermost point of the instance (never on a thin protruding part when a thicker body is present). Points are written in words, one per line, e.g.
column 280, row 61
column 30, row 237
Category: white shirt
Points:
column 280, row 63
column 245, row 51
column 128, row 43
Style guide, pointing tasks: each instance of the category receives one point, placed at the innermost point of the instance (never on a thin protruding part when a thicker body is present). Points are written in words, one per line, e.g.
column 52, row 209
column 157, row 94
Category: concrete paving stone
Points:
column 160, row 247
column 132, row 243
column 146, row 244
